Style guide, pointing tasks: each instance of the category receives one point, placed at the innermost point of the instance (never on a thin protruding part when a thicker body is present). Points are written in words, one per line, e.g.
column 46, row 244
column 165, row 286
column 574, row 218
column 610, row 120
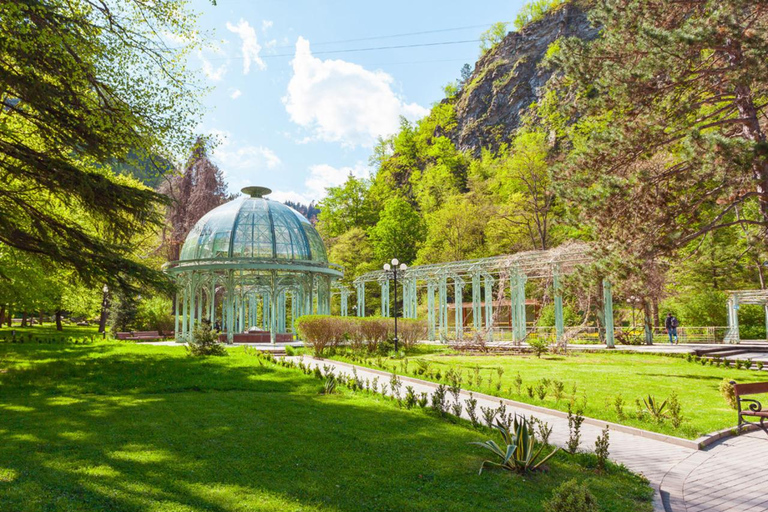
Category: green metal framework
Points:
column 244, row 262
column 509, row 274
column 735, row 299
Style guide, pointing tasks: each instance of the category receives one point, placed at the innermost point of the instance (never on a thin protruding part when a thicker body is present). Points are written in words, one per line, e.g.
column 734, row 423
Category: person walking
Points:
column 671, row 324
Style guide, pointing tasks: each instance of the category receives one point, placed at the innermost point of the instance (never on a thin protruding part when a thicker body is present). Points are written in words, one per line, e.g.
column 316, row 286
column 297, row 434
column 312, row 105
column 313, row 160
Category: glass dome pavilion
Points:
column 244, row 262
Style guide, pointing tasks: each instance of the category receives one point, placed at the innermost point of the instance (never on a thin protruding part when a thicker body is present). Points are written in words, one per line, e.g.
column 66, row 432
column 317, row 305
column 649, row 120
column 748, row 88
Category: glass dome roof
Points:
column 254, row 227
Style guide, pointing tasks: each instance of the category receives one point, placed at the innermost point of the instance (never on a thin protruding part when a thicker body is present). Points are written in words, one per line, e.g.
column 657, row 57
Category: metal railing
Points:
column 591, row 335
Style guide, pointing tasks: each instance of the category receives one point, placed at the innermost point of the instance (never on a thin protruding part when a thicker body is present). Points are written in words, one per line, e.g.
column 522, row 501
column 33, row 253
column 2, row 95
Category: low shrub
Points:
column 539, row 346
column 729, row 394
column 317, row 332
column 411, row 331
column 571, row 496
column 204, row 343
column 601, row 449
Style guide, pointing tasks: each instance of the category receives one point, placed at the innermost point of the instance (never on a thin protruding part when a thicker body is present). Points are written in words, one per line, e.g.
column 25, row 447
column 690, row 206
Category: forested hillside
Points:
column 548, row 140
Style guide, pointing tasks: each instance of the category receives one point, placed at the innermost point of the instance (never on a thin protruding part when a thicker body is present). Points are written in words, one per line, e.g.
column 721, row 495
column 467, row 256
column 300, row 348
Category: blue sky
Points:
column 296, row 119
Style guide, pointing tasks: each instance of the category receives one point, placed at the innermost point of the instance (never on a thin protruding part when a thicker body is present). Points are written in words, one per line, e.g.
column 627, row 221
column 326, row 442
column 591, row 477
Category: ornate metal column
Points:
column 443, row 304
column 608, row 304
column 360, row 286
column 488, row 281
column 477, row 310
column 384, row 283
column 559, row 320
column 431, row 308
column 458, row 301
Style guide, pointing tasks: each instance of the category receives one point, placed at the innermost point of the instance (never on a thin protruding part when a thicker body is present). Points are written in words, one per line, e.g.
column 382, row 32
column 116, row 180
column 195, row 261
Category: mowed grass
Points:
column 599, row 379
column 124, row 427
column 47, row 332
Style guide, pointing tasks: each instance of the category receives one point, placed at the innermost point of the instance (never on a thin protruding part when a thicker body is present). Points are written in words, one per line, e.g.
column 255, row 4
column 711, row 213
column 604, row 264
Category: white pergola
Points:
column 735, row 299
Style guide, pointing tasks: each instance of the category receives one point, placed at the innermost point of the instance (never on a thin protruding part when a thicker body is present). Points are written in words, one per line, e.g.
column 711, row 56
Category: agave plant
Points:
column 656, row 408
column 518, row 452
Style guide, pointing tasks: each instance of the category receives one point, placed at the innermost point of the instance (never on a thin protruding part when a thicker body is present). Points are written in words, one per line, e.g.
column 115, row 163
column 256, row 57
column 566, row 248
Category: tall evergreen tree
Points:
column 83, row 84
column 195, row 192
column 671, row 141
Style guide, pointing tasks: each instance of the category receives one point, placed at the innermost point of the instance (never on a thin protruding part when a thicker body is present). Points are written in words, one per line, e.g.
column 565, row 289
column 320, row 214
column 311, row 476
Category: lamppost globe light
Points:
column 387, row 267
column 105, row 289
column 403, row 266
column 395, row 262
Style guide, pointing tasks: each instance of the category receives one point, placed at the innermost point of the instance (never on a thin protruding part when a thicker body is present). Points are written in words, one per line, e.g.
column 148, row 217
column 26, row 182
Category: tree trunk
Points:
column 648, row 321
column 600, row 312
column 9, row 318
column 656, row 320
column 104, row 310
column 2, row 315
column 23, row 319
column 58, row 320
column 41, row 318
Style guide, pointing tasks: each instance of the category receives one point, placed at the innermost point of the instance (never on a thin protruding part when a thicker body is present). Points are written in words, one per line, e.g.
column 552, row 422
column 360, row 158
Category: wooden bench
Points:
column 754, row 408
column 138, row 336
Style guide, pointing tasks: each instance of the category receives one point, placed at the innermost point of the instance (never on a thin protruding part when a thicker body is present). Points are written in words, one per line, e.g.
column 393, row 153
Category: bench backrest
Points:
column 146, row 333
column 123, row 335
column 752, row 388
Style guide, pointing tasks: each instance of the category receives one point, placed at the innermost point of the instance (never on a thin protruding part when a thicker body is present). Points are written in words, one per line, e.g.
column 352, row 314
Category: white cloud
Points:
column 266, row 25
column 289, row 195
column 245, row 157
column 323, row 176
column 236, row 93
column 344, row 102
column 213, row 73
column 250, row 45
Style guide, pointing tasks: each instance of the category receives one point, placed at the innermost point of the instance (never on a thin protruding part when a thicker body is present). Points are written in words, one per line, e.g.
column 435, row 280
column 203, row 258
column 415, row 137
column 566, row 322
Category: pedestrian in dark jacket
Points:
column 671, row 324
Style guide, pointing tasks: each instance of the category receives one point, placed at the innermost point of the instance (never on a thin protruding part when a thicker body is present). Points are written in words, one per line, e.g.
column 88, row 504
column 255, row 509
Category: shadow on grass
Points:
column 134, row 431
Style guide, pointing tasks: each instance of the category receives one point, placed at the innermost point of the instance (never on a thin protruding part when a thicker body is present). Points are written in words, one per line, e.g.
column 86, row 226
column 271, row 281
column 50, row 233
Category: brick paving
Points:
column 729, row 475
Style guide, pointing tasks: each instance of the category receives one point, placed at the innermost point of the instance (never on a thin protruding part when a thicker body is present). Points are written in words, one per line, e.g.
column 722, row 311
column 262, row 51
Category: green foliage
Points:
column 571, row 496
column 346, row 207
column 655, row 408
column 574, row 430
column 601, row 449
column 398, row 233
column 493, row 36
column 652, row 169
column 534, row 11
column 539, row 345
column 204, row 343
column 123, row 311
column 518, row 452
column 91, row 88
column 728, row 393
column 547, row 316
column 154, row 314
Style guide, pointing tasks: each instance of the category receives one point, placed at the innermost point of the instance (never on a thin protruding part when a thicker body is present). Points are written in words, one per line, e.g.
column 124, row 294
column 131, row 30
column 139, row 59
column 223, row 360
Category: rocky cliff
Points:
column 508, row 79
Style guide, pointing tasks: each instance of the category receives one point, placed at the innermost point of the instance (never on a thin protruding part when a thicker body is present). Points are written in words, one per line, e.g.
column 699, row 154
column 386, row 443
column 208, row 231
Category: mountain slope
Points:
column 508, row 79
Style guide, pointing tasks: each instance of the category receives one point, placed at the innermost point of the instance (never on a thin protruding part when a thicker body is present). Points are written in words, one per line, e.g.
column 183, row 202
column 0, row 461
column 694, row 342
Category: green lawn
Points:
column 123, row 427
column 47, row 332
column 601, row 377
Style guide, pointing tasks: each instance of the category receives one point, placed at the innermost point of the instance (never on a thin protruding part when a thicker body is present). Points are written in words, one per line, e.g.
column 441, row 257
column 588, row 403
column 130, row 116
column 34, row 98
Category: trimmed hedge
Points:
column 321, row 332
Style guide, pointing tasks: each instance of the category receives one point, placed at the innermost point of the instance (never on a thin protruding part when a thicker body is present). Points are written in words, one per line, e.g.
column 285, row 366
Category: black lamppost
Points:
column 393, row 269
column 632, row 302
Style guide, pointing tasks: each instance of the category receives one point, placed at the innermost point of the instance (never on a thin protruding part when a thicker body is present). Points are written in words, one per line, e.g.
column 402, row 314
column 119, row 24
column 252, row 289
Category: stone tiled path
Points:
column 728, row 476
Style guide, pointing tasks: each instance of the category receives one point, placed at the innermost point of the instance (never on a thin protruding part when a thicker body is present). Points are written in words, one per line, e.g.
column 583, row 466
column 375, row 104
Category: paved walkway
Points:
column 727, row 476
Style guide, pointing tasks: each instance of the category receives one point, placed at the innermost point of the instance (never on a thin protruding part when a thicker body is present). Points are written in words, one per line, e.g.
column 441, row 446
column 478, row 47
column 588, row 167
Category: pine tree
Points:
column 198, row 190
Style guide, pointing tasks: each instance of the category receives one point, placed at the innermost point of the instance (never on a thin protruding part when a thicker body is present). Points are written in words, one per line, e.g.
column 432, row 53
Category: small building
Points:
column 251, row 266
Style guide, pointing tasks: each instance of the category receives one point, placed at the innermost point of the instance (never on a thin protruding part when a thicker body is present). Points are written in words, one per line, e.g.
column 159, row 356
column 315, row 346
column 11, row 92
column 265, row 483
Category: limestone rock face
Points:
column 508, row 79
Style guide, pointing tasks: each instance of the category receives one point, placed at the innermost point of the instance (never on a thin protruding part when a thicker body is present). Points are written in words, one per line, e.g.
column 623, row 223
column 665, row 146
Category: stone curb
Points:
column 694, row 444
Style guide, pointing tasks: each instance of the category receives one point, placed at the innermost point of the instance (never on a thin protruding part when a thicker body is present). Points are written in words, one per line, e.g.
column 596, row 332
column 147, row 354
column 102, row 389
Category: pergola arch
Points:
column 508, row 273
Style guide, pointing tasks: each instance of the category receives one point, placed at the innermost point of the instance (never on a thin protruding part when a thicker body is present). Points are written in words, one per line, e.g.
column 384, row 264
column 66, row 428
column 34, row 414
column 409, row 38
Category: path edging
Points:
column 694, row 444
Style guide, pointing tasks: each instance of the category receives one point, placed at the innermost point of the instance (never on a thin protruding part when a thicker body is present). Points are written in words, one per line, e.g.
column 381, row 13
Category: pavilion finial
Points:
column 256, row 191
